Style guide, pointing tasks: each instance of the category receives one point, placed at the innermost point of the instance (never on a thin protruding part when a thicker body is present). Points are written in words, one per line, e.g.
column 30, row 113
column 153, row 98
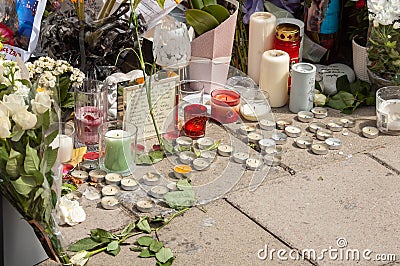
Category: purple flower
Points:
column 289, row 5
column 251, row 6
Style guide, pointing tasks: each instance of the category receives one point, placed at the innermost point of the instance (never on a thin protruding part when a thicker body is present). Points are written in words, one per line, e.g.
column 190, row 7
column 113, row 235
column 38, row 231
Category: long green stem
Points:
column 169, row 220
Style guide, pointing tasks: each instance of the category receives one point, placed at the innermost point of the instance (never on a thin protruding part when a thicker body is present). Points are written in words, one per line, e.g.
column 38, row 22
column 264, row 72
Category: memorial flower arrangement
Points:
column 384, row 40
column 26, row 161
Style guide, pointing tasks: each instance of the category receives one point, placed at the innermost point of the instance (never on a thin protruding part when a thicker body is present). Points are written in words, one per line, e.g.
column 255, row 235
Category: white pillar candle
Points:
column 274, row 74
column 65, row 146
column 261, row 38
column 302, row 87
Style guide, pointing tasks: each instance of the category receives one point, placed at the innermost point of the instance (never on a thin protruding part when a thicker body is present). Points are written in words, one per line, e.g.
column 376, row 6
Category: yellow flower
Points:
column 40, row 89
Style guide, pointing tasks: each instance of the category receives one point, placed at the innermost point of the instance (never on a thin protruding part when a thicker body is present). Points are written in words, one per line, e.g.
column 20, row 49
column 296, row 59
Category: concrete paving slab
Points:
column 389, row 154
column 354, row 199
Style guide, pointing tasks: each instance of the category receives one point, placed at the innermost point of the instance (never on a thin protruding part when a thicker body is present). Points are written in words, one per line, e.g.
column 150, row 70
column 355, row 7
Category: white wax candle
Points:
column 261, row 38
column 82, row 175
column 186, row 157
column 145, row 205
column 201, row 164
column 65, row 146
column 267, row 124
column 110, row 203
column 205, row 143
column 313, row 127
column 347, row 122
column 305, row 116
column 319, row 112
column 293, row 131
column 320, row 148
column 245, row 129
column 184, row 141
column 158, row 192
column 274, row 74
column 129, row 184
column 97, row 175
column 113, row 179
column 334, row 127
column 333, row 143
column 323, row 134
column 304, row 142
column 254, row 111
column 279, row 138
column 240, row 157
column 253, row 164
column 110, row 190
column 266, row 143
column 224, row 150
column 254, row 137
column 151, row 179
column 370, row 132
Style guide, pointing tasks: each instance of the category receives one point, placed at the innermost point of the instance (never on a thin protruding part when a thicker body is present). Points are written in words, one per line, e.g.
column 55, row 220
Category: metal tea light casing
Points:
column 302, row 90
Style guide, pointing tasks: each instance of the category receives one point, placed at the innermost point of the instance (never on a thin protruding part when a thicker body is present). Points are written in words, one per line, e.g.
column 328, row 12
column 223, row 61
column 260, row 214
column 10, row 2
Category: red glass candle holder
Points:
column 225, row 105
column 195, row 116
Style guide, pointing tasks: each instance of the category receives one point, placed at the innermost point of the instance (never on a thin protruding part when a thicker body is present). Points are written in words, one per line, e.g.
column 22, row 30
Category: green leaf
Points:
column 155, row 246
column 217, row 11
column 45, row 119
column 168, row 147
column 86, row 243
column 343, row 84
column 31, row 163
column 197, row 4
column 113, row 245
column 164, row 255
column 136, row 248
column 370, row 100
column 24, row 185
column 101, row 235
column 156, row 156
column 183, row 184
column 200, row 20
column 145, row 241
column 128, row 229
column 209, row 2
column 143, row 160
column 49, row 138
column 161, row 3
column 180, row 199
column 143, row 225
column 38, row 193
column 68, row 101
column 3, row 154
column 214, row 146
column 49, row 158
column 146, row 253
column 168, row 263
column 341, row 100
column 115, row 251
column 63, row 84
column 14, row 162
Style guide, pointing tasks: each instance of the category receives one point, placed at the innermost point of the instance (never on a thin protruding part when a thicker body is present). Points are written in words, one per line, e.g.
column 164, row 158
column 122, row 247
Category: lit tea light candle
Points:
column 279, row 138
column 97, row 175
column 277, row 150
column 225, row 105
column 266, row 143
column 182, row 171
column 151, row 179
column 172, row 186
column 240, row 157
column 335, row 127
column 305, row 116
column 319, row 112
column 205, row 143
column 184, row 141
column 224, row 150
column 110, row 203
column 347, row 122
column 266, row 124
column 110, row 190
column 370, row 132
column 187, row 157
column 293, row 131
column 209, row 155
column 117, row 153
column 320, row 148
column 281, row 124
column 79, row 174
column 253, row 164
column 314, row 126
column 254, row 137
column 88, row 165
column 245, row 129
column 304, row 142
column 333, row 143
column 145, row 205
column 113, row 179
column 323, row 134
column 201, row 164
column 272, row 160
column 158, row 192
column 129, row 184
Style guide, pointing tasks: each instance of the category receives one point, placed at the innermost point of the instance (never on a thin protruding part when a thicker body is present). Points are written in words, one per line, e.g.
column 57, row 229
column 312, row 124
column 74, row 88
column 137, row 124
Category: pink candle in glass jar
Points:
column 88, row 119
column 225, row 105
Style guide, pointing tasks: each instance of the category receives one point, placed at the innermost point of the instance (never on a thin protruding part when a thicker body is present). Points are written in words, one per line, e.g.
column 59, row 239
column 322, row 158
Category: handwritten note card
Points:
column 136, row 108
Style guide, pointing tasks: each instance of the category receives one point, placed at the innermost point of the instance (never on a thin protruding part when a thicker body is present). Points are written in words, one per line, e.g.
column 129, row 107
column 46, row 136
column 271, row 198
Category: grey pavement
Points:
column 344, row 206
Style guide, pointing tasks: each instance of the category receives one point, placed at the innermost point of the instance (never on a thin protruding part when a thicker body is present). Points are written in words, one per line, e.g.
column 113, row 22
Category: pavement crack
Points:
column 388, row 166
column 268, row 231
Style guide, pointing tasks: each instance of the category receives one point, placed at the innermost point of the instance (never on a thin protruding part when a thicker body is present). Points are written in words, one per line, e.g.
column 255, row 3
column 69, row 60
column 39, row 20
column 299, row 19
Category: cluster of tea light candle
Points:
column 112, row 184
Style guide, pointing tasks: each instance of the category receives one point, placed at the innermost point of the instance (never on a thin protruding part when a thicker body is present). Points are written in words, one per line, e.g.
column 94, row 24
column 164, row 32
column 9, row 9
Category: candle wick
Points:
column 226, row 98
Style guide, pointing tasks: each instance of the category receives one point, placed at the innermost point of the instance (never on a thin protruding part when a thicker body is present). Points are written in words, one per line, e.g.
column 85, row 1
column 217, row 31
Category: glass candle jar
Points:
column 388, row 110
column 225, row 105
column 287, row 38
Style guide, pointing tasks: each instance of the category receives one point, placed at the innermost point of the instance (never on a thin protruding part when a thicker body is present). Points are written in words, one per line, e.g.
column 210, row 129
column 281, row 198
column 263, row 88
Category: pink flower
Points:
column 6, row 34
column 360, row 4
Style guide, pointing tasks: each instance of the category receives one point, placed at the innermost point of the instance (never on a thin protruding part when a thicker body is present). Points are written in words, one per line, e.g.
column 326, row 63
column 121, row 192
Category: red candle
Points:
column 195, row 116
column 225, row 105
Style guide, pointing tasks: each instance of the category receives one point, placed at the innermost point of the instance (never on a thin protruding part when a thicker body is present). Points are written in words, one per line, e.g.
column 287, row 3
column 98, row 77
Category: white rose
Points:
column 14, row 103
column 80, row 258
column 319, row 99
column 41, row 103
column 5, row 126
column 25, row 119
column 70, row 212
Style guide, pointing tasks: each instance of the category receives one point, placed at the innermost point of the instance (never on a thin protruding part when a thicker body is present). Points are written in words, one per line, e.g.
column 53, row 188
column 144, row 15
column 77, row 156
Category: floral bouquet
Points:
column 28, row 166
column 384, row 40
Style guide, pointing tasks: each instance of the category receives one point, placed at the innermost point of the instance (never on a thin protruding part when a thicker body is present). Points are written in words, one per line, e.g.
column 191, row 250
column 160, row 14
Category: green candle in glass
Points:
column 118, row 155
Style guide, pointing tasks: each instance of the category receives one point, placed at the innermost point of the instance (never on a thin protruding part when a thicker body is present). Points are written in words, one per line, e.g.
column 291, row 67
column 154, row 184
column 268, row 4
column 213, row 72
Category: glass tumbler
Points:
column 388, row 110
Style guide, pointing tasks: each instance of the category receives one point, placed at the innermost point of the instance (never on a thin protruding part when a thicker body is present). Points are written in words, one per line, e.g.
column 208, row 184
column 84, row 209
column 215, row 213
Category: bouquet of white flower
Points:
column 26, row 160
column 384, row 40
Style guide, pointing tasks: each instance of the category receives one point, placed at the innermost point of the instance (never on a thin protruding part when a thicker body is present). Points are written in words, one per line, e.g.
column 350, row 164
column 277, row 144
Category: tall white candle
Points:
column 65, row 146
column 274, row 74
column 261, row 38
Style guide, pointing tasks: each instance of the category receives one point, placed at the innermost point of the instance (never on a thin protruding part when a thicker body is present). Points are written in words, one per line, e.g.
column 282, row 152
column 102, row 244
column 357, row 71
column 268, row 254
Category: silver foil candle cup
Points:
column 240, row 157
column 279, row 138
column 370, row 132
column 266, row 143
column 97, row 175
column 187, row 157
column 184, row 141
column 79, row 174
column 225, row 150
column 110, row 203
column 253, row 164
column 254, row 137
column 293, row 131
column 129, row 184
column 272, row 160
column 305, row 116
column 245, row 129
column 319, row 112
column 335, row 127
column 323, row 134
column 110, row 190
column 347, row 122
column 304, row 142
column 277, row 150
column 205, row 143
column 314, row 126
column 201, row 164
column 113, row 179
column 158, row 192
column 320, row 148
column 151, row 179
column 282, row 123
column 88, row 165
column 145, row 205
column 333, row 143
column 209, row 155
column 266, row 124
